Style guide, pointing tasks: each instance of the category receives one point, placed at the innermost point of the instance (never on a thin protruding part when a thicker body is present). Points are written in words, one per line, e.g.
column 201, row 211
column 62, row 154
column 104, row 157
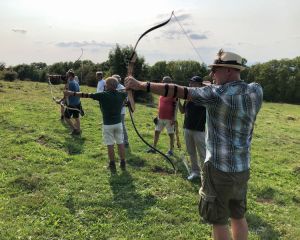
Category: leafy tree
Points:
column 158, row 71
column 280, row 79
column 181, row 71
column 10, row 75
column 2, row 66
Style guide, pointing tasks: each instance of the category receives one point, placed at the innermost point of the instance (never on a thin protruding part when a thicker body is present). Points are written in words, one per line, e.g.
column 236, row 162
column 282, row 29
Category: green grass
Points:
column 54, row 186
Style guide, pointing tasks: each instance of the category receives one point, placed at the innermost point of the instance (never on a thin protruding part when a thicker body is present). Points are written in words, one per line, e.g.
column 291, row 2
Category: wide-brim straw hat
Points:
column 229, row 60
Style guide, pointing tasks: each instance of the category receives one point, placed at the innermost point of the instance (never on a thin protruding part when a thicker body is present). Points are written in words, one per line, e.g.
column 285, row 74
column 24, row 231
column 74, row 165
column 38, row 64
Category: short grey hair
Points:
column 117, row 77
column 112, row 81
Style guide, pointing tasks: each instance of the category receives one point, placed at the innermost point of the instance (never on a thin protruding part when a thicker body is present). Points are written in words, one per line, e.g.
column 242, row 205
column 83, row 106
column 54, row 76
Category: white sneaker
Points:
column 193, row 176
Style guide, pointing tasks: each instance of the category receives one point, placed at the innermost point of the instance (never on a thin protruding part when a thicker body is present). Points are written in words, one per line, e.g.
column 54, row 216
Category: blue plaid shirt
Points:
column 231, row 113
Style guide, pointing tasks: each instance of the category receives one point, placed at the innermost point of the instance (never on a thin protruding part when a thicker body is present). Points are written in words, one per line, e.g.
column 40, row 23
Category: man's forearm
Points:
column 79, row 94
column 167, row 90
column 162, row 89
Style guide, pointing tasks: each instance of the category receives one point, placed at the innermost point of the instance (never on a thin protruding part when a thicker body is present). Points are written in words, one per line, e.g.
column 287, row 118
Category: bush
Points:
column 10, row 75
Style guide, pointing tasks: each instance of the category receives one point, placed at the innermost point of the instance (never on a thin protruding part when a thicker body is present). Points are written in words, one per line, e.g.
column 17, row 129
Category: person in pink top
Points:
column 166, row 118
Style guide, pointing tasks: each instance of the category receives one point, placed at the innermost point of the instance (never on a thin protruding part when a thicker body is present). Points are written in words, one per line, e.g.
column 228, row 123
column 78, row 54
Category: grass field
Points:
column 55, row 186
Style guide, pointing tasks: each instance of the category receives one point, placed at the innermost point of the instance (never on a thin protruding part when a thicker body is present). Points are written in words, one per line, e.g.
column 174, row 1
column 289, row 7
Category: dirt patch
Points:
column 290, row 118
column 42, row 140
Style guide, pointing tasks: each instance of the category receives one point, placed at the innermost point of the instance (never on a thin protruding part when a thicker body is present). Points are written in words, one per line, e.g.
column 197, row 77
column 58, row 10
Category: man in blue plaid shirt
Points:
column 232, row 106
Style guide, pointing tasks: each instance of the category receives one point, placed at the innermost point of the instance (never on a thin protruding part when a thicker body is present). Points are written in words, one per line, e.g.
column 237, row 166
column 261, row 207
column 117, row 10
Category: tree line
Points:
column 280, row 79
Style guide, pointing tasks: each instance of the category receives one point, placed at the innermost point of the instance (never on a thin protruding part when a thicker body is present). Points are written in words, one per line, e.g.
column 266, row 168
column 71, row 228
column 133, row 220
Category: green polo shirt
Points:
column 111, row 103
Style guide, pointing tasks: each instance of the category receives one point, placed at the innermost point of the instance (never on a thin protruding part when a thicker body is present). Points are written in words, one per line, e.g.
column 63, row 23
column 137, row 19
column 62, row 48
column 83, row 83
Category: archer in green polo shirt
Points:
column 111, row 103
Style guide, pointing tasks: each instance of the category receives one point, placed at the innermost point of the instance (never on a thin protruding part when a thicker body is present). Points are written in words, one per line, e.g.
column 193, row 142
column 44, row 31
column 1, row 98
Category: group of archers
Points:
column 218, row 126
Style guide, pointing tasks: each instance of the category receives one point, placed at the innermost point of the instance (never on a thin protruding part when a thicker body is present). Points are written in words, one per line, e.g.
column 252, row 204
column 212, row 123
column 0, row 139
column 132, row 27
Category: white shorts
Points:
column 113, row 134
column 165, row 123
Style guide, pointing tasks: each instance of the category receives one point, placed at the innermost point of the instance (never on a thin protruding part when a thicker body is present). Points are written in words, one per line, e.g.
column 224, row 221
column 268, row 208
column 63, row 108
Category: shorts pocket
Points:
column 208, row 207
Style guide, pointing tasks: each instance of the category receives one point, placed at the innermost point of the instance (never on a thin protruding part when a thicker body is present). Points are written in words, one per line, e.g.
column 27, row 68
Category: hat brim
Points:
column 228, row 66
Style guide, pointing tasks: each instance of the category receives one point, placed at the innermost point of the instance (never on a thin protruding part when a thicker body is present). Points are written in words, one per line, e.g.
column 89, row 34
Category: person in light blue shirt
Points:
column 232, row 106
column 73, row 108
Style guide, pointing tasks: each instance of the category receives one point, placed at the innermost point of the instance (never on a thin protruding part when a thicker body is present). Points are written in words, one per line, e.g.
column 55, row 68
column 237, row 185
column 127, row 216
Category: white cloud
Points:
column 258, row 30
column 85, row 44
column 22, row 31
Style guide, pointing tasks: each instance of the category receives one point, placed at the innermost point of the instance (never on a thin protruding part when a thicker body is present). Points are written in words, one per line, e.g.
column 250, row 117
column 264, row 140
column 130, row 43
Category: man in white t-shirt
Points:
column 101, row 82
column 120, row 87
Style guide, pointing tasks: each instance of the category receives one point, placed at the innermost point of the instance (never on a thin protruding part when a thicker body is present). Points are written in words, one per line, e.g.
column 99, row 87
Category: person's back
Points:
column 111, row 105
column 231, row 120
column 194, row 117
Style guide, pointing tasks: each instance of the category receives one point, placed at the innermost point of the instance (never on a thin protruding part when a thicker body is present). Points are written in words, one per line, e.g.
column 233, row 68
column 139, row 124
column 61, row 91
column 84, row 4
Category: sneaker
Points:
column 170, row 153
column 193, row 176
column 123, row 164
column 150, row 150
column 112, row 166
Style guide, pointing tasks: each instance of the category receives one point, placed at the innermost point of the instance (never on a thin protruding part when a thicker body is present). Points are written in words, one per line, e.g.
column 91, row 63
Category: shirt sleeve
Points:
column 97, row 96
column 203, row 95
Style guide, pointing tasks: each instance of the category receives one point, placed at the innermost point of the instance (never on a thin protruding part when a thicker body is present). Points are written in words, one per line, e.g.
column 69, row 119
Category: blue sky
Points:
column 56, row 30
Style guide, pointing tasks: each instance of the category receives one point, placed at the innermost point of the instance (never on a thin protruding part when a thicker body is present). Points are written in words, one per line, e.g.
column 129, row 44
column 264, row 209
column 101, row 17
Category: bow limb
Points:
column 131, row 103
column 51, row 90
column 133, row 58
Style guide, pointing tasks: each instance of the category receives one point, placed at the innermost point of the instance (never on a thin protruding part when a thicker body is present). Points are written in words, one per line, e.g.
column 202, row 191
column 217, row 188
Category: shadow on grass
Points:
column 126, row 197
column 29, row 182
column 73, row 143
column 262, row 229
column 133, row 160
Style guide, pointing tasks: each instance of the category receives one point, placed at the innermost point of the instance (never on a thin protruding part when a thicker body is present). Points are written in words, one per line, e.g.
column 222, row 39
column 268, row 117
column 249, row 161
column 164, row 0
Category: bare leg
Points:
column 171, row 141
column 220, row 232
column 62, row 112
column 156, row 137
column 77, row 124
column 239, row 228
column 69, row 121
column 124, row 130
column 121, row 150
column 111, row 153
